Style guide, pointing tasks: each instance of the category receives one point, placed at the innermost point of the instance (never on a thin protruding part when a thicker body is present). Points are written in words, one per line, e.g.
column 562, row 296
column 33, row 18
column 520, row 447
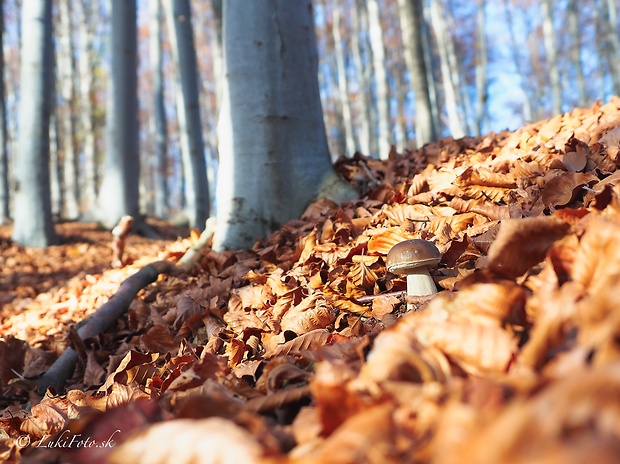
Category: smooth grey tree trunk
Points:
column 518, row 63
column 159, row 110
column 451, row 91
column 611, row 42
column 552, row 56
column 575, row 50
column 412, row 24
column 481, row 69
column 5, row 213
column 343, row 83
column 363, row 119
column 197, row 206
column 32, row 209
column 86, row 65
column 274, row 158
column 119, row 194
column 55, row 169
column 384, row 134
column 66, row 75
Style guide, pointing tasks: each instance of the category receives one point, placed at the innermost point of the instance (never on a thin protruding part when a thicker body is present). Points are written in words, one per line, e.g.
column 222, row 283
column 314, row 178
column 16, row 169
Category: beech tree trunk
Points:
column 384, row 134
column 119, row 194
column 4, row 155
column 197, row 204
column 66, row 75
column 575, row 50
column 481, row 69
column 86, row 64
column 343, row 83
column 33, row 212
column 159, row 109
column 611, row 42
column 412, row 23
column 361, row 71
column 274, row 158
column 451, row 90
column 552, row 56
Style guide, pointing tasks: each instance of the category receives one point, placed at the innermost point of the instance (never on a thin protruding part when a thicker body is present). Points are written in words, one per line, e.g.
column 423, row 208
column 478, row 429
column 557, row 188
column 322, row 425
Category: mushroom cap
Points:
column 411, row 254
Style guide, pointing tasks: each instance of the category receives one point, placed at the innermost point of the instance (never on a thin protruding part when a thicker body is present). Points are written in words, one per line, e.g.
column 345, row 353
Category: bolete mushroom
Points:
column 413, row 258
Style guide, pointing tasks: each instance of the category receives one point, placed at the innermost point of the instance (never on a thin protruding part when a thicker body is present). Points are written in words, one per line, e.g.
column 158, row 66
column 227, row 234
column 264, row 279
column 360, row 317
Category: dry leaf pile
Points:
column 286, row 353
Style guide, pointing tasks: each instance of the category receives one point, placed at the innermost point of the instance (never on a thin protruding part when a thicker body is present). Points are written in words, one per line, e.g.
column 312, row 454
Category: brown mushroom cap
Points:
column 411, row 254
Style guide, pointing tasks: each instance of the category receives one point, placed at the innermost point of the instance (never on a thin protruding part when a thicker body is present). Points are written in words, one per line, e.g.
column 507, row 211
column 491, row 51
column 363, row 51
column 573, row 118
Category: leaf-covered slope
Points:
column 286, row 353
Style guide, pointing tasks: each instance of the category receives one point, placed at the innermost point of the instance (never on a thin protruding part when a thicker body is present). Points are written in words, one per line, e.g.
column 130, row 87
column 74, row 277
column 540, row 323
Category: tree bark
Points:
column 412, row 23
column 274, row 158
column 119, row 194
column 552, row 56
column 611, row 42
column 343, row 83
column 5, row 213
column 159, row 112
column 66, row 82
column 197, row 207
column 361, row 71
column 86, row 64
column 449, row 85
column 385, row 135
column 33, row 213
column 481, row 69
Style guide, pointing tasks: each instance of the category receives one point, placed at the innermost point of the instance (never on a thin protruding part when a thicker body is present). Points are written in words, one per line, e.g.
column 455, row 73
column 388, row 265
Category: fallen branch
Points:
column 194, row 254
column 101, row 321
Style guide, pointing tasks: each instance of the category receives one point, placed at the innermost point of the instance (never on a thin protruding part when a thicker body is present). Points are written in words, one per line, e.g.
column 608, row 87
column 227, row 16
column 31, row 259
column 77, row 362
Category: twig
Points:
column 101, row 321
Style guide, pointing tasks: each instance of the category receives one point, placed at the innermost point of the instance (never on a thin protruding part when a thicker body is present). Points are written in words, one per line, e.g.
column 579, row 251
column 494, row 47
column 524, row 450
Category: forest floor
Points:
column 301, row 350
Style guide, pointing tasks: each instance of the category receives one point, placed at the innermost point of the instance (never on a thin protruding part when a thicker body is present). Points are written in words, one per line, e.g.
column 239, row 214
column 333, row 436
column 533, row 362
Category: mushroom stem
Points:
column 419, row 283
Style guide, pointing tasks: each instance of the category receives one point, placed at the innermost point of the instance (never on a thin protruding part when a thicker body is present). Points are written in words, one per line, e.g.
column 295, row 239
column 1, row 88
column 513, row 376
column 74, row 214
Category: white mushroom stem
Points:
column 419, row 283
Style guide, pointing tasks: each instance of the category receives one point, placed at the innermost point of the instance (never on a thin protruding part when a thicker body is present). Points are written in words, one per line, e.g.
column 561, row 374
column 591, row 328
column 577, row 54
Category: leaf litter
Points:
column 300, row 350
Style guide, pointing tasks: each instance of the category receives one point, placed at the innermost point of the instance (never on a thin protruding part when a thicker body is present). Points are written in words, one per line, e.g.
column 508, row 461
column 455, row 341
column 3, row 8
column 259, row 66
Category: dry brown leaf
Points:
column 522, row 243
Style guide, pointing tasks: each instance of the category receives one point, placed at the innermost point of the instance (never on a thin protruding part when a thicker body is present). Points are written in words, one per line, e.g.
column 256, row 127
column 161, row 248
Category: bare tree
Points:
column 450, row 86
column 4, row 152
column 481, row 68
column 552, row 56
column 66, row 75
column 86, row 79
column 159, row 113
column 412, row 20
column 33, row 213
column 178, row 13
column 343, row 82
column 119, row 194
column 375, row 29
column 274, row 158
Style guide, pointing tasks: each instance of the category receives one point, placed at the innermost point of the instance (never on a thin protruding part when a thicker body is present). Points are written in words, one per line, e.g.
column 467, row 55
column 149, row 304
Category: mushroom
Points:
column 413, row 258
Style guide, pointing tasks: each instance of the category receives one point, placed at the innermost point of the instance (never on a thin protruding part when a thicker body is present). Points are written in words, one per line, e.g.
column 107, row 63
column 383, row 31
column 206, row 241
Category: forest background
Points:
column 490, row 65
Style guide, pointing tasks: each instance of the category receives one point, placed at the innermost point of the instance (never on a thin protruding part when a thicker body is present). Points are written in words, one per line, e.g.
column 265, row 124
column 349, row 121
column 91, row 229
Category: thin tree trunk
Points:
column 87, row 115
column 385, row 136
column 362, row 81
column 611, row 42
column 4, row 154
column 159, row 112
column 575, row 50
column 343, row 83
column 412, row 25
column 449, row 85
column 178, row 14
column 56, row 193
column 481, row 69
column 516, row 57
column 119, row 194
column 66, row 81
column 552, row 55
column 33, row 213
